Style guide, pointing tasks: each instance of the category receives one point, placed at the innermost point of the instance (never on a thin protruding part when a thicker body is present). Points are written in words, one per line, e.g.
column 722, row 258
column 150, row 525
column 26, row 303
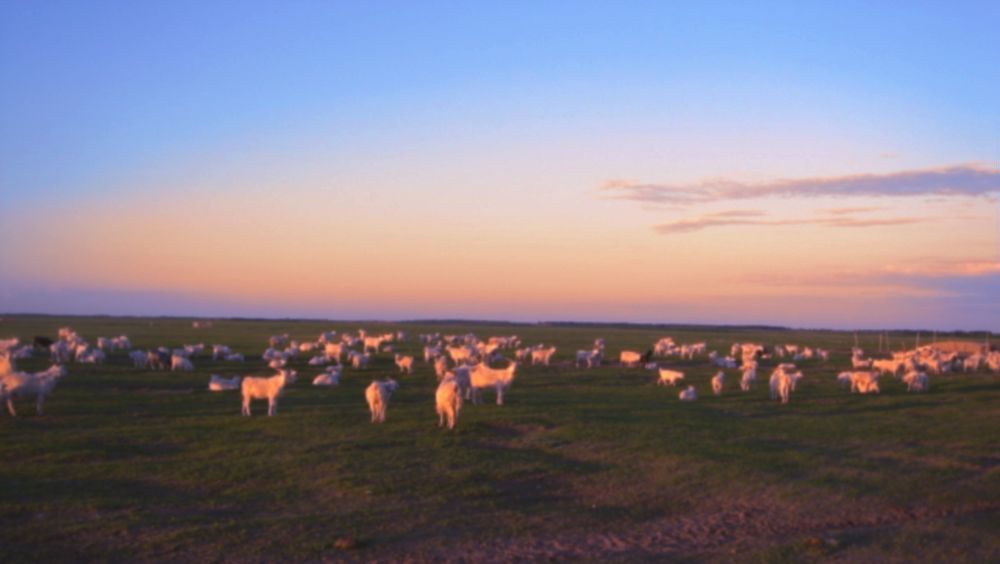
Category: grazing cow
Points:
column 482, row 376
column 783, row 381
column 139, row 359
column 717, row 382
column 330, row 378
column 916, row 381
column 404, row 363
column 218, row 383
column 590, row 358
column 633, row 358
column 542, row 356
column 265, row 388
column 377, row 395
column 359, row 360
column 864, row 382
column 448, row 401
column 669, row 377
column 749, row 377
column 38, row 385
column 178, row 362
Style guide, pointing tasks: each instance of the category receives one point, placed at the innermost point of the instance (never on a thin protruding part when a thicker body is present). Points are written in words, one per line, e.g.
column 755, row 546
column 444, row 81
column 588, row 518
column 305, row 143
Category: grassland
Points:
column 597, row 465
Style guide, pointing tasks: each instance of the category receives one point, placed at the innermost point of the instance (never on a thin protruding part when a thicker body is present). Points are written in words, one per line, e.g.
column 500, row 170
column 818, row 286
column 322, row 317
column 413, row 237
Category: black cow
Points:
column 646, row 357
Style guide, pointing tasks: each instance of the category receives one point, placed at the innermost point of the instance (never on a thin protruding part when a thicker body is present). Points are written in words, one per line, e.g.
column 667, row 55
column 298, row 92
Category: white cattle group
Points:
column 465, row 366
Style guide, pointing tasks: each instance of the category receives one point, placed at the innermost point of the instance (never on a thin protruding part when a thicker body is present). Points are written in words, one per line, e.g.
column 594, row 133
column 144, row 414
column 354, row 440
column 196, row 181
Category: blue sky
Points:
column 125, row 105
column 90, row 88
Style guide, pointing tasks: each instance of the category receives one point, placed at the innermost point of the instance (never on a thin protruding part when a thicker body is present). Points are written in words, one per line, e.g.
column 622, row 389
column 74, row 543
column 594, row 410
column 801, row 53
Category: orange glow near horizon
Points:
column 286, row 249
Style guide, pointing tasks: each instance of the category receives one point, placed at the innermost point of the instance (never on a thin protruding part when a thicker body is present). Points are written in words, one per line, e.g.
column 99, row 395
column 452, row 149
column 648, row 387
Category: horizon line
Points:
column 455, row 321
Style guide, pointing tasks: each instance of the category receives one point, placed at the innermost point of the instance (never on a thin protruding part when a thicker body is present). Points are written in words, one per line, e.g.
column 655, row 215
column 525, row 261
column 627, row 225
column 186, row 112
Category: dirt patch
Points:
column 889, row 459
column 514, row 430
column 529, row 490
column 737, row 527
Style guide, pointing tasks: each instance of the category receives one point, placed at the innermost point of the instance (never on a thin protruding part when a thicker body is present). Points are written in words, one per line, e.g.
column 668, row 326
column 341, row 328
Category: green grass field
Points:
column 598, row 465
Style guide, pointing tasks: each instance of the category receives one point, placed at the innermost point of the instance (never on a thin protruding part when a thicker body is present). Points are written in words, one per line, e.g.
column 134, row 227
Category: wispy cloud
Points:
column 915, row 272
column 946, row 268
column 740, row 213
column 707, row 221
column 930, row 278
column 758, row 218
column 851, row 211
column 959, row 180
column 869, row 222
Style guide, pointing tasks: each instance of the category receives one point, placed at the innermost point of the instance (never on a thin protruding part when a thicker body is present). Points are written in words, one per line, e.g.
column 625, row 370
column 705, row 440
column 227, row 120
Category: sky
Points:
column 807, row 164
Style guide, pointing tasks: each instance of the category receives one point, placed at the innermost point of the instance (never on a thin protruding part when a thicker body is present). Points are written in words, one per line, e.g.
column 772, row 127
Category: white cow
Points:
column 669, row 377
column 266, row 388
column 377, row 395
column 448, row 401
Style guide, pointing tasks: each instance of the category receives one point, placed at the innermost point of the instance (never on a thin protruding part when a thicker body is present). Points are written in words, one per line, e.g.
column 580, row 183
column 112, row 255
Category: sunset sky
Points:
column 803, row 164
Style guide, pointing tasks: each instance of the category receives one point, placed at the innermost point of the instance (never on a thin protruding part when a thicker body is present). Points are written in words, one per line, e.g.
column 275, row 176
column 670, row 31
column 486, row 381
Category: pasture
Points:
column 601, row 464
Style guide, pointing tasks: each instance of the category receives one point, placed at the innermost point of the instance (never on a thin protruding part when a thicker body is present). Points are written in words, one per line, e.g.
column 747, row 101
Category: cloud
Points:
column 959, row 180
column 740, row 213
column 946, row 268
column 757, row 218
column 851, row 211
column 705, row 222
column 918, row 277
column 870, row 222
column 957, row 288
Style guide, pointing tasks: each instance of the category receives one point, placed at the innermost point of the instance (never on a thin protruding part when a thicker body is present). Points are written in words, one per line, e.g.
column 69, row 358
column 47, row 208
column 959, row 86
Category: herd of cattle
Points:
column 462, row 364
